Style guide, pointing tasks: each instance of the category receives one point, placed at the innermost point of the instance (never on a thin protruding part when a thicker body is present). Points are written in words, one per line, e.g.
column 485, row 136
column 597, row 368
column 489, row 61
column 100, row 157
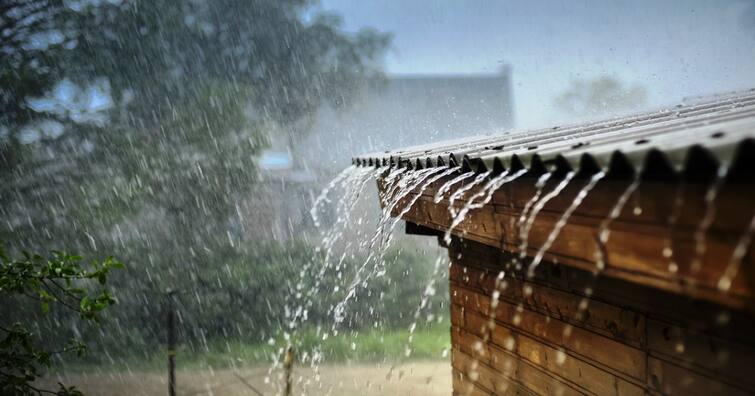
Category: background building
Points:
column 396, row 112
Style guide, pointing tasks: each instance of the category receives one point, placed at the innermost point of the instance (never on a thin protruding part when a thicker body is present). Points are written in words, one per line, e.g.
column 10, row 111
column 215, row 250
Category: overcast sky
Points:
column 673, row 48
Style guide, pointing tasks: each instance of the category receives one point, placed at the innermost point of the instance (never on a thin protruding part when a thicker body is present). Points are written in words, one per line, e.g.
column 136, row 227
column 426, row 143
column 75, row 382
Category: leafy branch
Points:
column 56, row 280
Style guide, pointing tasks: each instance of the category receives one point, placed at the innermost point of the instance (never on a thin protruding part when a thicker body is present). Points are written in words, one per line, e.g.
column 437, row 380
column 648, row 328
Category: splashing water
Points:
column 351, row 198
column 351, row 183
column 604, row 230
column 710, row 213
column 563, row 220
column 427, row 293
column 323, row 197
column 525, row 232
column 399, row 190
column 352, row 180
column 393, row 179
column 416, row 180
column 421, row 190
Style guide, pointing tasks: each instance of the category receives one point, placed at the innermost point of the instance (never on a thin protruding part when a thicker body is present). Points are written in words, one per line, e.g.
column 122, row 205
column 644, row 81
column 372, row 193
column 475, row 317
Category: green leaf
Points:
column 85, row 304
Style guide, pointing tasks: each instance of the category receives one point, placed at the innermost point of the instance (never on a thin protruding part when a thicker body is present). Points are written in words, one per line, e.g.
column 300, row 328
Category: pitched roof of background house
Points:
column 409, row 110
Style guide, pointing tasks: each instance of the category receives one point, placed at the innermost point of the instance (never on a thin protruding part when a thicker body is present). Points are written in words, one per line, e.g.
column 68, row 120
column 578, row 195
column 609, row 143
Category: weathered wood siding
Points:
column 639, row 236
column 564, row 332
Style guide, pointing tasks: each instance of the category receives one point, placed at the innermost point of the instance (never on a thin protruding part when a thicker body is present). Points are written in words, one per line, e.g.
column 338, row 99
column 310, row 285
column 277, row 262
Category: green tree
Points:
column 59, row 280
column 600, row 96
column 191, row 88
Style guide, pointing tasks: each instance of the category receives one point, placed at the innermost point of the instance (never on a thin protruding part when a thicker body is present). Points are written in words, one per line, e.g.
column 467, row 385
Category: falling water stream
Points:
column 428, row 292
column 539, row 185
column 447, row 186
column 487, row 192
column 323, row 197
column 604, row 230
column 350, row 183
column 461, row 191
column 563, row 220
column 527, row 227
column 402, row 188
column 676, row 211
column 435, row 177
column 710, row 213
column 413, row 180
column 732, row 268
column 398, row 184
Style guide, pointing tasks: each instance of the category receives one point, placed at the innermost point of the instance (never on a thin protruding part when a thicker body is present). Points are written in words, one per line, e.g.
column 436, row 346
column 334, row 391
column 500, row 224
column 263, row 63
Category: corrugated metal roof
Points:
column 692, row 140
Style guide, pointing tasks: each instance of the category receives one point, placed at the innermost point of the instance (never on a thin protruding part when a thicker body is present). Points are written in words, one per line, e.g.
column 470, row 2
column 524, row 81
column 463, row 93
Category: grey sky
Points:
column 673, row 48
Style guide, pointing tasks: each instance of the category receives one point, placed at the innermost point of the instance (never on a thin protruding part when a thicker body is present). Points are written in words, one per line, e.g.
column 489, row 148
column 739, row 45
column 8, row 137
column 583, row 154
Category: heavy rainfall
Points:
column 277, row 197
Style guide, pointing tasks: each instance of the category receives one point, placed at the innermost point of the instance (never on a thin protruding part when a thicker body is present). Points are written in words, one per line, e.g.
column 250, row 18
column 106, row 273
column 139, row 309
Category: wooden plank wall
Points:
column 638, row 239
column 564, row 333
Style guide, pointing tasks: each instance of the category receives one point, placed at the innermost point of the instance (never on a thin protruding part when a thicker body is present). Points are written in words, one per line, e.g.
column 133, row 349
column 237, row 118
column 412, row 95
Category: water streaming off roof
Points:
column 538, row 215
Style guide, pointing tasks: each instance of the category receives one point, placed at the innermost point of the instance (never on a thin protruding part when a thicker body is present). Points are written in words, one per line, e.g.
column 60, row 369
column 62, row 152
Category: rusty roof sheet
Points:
column 692, row 140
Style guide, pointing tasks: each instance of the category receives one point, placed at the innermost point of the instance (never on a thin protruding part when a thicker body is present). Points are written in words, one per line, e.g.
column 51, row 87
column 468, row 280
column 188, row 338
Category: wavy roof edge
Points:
column 693, row 140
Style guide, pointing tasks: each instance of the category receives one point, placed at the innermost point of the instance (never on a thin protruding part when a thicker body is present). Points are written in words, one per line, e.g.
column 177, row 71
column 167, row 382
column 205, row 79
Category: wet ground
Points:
column 416, row 378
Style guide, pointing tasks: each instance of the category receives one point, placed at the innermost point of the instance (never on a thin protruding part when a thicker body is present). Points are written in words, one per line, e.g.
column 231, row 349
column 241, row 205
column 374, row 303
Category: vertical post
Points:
column 288, row 365
column 171, row 345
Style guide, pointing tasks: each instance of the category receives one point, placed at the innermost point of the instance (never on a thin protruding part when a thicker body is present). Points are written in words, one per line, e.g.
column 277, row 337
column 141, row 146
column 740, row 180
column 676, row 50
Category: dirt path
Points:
column 417, row 378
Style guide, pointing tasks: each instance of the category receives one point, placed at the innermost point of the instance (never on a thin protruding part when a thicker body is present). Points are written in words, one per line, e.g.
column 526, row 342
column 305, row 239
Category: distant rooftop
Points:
column 408, row 110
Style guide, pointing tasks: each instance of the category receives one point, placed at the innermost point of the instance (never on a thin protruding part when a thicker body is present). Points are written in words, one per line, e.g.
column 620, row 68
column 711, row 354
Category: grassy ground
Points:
column 364, row 379
column 369, row 346
column 368, row 362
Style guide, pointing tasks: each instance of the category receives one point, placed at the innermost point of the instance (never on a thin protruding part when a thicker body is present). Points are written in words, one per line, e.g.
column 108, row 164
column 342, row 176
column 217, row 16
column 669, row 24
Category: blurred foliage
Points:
column 391, row 300
column 600, row 96
column 62, row 281
column 242, row 298
column 193, row 87
column 155, row 172
column 239, row 297
column 383, row 345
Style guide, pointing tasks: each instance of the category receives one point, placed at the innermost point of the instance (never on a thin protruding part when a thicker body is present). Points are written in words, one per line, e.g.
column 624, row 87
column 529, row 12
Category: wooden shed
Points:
column 613, row 257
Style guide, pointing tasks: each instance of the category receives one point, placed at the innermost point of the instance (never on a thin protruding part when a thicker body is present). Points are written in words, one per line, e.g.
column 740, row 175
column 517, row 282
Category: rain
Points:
column 263, row 197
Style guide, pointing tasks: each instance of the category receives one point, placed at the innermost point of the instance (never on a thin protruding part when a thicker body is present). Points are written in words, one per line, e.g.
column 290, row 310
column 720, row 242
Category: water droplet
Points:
column 560, row 357
column 509, row 343
column 723, row 318
column 567, row 330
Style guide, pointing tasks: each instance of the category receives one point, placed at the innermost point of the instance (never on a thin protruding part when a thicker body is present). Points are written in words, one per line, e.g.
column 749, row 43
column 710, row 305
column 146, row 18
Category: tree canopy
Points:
column 172, row 101
column 132, row 127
